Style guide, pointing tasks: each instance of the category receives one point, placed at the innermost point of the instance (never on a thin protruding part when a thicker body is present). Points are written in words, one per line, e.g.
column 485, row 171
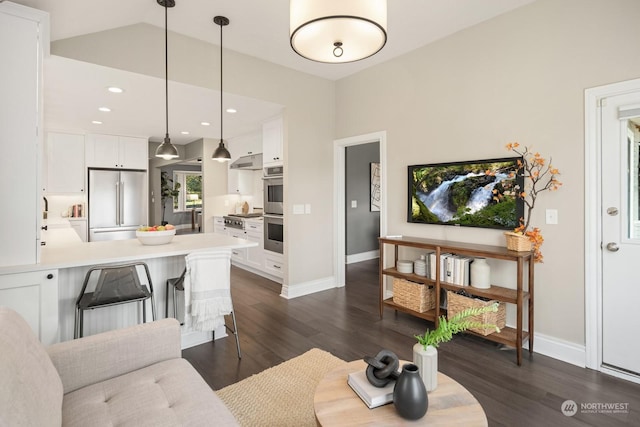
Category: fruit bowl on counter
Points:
column 156, row 235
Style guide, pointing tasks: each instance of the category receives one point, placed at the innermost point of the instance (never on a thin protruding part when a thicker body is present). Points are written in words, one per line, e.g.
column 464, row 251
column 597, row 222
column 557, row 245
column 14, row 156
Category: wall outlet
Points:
column 552, row 216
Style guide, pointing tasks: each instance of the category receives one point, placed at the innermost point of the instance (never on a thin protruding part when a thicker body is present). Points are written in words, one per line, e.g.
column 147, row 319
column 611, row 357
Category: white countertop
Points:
column 74, row 253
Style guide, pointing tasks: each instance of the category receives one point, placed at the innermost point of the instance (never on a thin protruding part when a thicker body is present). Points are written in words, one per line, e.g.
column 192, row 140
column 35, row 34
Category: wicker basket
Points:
column 415, row 296
column 518, row 242
column 457, row 303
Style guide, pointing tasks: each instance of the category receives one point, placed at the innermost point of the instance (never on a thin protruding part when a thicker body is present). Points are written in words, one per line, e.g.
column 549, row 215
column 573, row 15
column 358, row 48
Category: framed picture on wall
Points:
column 374, row 200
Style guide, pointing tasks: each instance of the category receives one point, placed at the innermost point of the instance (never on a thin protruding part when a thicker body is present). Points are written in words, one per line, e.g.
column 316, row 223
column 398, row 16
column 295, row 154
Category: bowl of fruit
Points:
column 156, row 235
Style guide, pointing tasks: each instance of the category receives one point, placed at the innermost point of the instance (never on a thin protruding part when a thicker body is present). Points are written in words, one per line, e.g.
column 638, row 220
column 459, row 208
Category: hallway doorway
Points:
column 340, row 194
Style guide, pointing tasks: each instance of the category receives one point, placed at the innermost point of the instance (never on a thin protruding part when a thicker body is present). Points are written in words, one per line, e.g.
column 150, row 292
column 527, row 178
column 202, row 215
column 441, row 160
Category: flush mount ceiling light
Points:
column 166, row 150
column 337, row 31
column 221, row 154
column 104, row 109
column 114, row 89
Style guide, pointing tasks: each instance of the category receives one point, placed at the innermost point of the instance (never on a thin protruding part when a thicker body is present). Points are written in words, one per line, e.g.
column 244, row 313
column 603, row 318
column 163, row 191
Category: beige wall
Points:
column 519, row 77
column 309, row 121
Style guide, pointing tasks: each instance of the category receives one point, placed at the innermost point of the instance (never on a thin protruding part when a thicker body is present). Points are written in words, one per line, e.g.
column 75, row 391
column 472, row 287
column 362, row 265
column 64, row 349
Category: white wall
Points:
column 308, row 119
column 519, row 77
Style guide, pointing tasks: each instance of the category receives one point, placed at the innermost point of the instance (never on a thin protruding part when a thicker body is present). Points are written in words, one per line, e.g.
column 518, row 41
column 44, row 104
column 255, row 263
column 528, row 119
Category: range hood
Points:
column 251, row 162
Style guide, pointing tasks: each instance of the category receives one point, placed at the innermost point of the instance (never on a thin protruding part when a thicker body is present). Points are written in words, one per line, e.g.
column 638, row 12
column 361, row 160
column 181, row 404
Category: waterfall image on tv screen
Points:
column 479, row 193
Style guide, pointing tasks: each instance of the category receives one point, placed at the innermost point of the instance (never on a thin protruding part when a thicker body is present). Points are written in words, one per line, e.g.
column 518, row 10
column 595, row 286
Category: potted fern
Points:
column 425, row 353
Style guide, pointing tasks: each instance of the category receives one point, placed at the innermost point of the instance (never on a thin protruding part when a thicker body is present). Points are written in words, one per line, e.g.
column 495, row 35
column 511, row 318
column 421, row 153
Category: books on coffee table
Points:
column 371, row 395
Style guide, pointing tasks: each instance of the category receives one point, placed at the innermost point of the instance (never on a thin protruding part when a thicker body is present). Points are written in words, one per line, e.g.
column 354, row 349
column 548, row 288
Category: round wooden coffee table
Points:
column 336, row 404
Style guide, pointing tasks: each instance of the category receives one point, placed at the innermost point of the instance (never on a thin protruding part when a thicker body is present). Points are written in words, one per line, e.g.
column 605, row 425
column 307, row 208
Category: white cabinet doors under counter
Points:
column 64, row 163
column 274, row 263
column 238, row 254
column 34, row 296
column 272, row 143
column 112, row 151
column 254, row 233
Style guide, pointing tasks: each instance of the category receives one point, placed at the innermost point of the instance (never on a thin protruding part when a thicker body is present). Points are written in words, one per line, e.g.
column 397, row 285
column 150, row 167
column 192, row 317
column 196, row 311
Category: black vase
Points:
column 409, row 394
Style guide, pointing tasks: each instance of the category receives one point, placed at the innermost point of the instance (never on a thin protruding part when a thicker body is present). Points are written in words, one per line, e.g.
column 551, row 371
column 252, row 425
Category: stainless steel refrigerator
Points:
column 117, row 203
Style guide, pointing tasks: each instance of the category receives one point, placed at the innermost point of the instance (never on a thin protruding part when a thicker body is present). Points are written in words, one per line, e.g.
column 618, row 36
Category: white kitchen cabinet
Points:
column 274, row 263
column 24, row 41
column 34, row 296
column 240, row 182
column 218, row 225
column 64, row 163
column 238, row 254
column 254, row 233
column 80, row 227
column 272, row 143
column 113, row 151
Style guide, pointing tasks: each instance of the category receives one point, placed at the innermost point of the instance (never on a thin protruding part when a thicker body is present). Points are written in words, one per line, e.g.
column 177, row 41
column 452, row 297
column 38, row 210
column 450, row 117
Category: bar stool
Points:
column 211, row 266
column 116, row 284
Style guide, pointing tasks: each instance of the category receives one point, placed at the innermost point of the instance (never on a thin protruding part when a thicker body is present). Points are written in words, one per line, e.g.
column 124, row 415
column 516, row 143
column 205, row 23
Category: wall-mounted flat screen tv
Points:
column 478, row 193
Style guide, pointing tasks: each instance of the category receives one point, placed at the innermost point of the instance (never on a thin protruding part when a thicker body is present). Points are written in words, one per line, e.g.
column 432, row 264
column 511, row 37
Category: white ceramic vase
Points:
column 427, row 363
column 480, row 274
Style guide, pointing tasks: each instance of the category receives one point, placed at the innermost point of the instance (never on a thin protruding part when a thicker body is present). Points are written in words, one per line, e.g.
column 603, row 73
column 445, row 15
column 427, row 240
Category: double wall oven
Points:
column 273, row 209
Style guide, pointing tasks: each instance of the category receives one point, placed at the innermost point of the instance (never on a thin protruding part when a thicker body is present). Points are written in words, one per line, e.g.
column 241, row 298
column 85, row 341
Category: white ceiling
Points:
column 74, row 90
column 258, row 28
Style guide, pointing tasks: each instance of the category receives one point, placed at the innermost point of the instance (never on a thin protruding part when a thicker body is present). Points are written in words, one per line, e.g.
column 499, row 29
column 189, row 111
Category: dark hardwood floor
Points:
column 345, row 322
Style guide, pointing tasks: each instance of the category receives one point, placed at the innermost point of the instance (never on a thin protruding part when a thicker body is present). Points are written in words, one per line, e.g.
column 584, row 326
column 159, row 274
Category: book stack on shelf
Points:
column 371, row 395
column 454, row 269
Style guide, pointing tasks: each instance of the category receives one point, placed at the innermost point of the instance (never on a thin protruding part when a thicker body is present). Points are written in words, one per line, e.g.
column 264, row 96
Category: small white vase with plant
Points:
column 425, row 353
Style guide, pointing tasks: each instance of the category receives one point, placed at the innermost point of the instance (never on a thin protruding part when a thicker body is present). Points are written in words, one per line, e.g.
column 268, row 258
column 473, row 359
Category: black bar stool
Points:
column 117, row 284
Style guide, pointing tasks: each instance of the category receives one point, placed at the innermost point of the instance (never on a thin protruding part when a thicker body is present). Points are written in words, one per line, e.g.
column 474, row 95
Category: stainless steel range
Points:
column 237, row 220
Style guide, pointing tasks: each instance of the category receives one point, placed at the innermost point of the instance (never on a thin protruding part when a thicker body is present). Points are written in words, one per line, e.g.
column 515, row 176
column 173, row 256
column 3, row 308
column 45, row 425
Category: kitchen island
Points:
column 45, row 293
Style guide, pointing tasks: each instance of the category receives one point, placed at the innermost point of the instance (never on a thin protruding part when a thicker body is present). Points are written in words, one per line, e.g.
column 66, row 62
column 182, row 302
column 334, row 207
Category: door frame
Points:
column 339, row 183
column 593, row 222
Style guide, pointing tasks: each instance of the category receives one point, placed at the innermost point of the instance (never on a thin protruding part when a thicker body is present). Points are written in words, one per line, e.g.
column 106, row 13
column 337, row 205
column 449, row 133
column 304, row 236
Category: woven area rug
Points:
column 281, row 395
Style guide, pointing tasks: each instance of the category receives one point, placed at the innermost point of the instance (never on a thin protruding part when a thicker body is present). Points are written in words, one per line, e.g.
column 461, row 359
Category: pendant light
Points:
column 166, row 150
column 337, row 31
column 221, row 154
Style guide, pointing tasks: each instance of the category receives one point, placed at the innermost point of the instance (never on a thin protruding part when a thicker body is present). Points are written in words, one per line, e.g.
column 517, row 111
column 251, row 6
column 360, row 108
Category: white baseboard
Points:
column 194, row 338
column 364, row 256
column 559, row 349
column 307, row 288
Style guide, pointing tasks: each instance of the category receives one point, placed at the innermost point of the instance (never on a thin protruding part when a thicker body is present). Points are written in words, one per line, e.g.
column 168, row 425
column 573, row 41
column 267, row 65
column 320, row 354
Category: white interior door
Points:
column 621, row 232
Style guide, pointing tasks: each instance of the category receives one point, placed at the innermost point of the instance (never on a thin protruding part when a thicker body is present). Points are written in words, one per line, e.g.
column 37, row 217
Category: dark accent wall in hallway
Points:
column 362, row 225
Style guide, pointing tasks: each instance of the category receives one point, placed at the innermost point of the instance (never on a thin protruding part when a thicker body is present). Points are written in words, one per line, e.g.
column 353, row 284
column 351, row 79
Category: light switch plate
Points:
column 552, row 216
column 354, row 203
column 307, row 208
column 298, row 209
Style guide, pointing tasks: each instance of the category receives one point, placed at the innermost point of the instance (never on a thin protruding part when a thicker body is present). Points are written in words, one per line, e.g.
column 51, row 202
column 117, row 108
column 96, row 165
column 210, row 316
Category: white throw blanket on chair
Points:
column 207, row 289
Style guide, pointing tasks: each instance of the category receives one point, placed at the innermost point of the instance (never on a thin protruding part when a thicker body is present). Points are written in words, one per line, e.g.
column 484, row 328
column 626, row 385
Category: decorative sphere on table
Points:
column 409, row 394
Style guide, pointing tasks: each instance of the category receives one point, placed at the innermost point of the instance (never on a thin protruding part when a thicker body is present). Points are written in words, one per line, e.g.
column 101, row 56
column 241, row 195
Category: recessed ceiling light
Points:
column 104, row 109
column 96, row 122
column 205, row 123
column 114, row 89
column 231, row 110
column 185, row 132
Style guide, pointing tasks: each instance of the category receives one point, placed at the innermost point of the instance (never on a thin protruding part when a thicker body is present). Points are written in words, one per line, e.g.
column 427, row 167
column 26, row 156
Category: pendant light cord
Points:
column 166, row 70
column 221, row 133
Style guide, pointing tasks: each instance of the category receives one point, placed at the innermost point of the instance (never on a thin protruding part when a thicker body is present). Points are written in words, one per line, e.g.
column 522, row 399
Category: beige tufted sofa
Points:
column 127, row 377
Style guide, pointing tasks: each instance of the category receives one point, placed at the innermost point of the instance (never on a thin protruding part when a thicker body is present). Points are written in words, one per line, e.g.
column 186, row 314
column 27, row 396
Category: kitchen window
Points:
column 190, row 190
